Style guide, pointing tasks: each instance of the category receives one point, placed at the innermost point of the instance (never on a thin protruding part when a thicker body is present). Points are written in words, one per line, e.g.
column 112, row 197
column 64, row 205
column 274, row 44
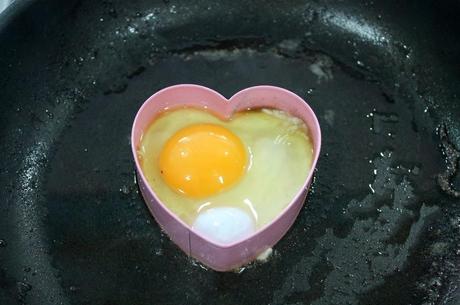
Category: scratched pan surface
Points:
column 382, row 221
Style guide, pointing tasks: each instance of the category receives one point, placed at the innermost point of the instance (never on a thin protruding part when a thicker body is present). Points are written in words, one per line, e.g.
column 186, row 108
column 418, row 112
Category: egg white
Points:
column 280, row 155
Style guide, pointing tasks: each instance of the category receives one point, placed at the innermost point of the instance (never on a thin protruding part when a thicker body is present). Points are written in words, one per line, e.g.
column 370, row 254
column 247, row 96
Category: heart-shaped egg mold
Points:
column 223, row 257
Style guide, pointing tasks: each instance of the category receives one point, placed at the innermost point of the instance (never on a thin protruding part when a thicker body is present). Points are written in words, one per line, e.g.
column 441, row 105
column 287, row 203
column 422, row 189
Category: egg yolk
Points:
column 201, row 160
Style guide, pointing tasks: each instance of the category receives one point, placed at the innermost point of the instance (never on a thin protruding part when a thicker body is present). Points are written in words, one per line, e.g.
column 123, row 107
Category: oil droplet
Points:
column 3, row 243
column 125, row 190
column 239, row 270
column 198, row 264
column 49, row 114
column 372, row 189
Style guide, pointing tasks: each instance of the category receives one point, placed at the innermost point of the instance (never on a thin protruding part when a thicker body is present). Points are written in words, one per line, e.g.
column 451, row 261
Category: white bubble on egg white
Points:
column 224, row 224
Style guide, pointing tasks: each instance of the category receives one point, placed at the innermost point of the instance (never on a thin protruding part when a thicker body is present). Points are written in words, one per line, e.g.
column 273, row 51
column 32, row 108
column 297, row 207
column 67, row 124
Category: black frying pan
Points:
column 381, row 224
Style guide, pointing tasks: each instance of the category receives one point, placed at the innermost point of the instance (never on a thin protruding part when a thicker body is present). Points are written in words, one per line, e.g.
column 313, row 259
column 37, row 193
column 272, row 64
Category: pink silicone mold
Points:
column 223, row 257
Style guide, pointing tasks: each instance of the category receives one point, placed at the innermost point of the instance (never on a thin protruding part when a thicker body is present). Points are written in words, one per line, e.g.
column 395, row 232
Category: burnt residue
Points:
column 452, row 157
column 137, row 71
column 116, row 88
column 120, row 85
column 22, row 289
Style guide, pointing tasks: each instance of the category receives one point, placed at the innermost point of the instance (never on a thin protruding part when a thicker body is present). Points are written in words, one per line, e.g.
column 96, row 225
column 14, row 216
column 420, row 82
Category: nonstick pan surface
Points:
column 382, row 221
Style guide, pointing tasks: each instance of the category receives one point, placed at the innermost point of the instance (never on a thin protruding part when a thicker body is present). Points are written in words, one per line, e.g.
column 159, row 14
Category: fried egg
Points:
column 226, row 179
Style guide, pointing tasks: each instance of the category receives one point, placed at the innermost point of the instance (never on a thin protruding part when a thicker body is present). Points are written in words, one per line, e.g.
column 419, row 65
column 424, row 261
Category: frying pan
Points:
column 381, row 224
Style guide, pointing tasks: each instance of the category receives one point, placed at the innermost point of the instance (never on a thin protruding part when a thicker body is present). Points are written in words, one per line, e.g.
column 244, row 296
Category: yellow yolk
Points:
column 202, row 159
